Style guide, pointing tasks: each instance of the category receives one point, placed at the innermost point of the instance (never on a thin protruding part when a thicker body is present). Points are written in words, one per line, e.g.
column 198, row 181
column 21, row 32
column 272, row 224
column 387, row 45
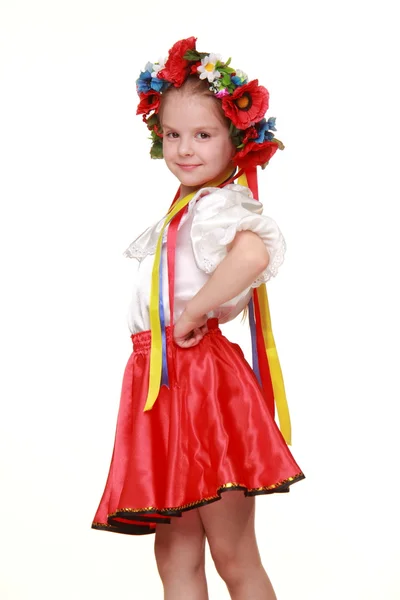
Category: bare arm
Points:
column 246, row 260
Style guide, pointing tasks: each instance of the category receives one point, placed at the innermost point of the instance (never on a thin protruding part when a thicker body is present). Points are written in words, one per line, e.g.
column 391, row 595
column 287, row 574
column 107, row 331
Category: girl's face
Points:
column 196, row 143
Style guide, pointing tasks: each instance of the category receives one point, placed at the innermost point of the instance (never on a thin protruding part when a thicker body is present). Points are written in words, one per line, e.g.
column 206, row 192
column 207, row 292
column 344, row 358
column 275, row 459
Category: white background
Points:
column 77, row 186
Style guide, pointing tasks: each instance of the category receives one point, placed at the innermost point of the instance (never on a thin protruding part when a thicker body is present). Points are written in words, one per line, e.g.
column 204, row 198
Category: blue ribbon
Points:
column 254, row 352
column 164, row 371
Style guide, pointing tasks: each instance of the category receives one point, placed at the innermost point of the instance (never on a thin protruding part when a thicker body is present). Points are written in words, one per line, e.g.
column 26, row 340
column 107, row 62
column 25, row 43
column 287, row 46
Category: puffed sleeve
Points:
column 217, row 218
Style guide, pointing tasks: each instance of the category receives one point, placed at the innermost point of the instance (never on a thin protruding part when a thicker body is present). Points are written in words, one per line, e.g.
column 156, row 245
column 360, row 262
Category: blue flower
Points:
column 159, row 85
column 146, row 82
column 264, row 129
column 237, row 80
column 268, row 136
column 143, row 84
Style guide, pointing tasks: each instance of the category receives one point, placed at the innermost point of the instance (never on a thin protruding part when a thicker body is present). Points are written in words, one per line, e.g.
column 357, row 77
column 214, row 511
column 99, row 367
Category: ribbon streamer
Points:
column 261, row 328
column 155, row 301
column 158, row 374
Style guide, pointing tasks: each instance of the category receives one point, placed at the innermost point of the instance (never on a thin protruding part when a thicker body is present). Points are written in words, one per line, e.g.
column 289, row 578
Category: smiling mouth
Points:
column 188, row 167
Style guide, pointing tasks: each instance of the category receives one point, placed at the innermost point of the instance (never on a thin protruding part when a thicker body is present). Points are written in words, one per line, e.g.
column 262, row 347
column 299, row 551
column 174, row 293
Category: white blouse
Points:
column 213, row 218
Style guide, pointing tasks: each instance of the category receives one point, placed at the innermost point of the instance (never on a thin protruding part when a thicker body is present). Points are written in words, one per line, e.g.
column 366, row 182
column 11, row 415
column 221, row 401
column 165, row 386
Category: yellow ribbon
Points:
column 274, row 367
column 155, row 325
column 272, row 356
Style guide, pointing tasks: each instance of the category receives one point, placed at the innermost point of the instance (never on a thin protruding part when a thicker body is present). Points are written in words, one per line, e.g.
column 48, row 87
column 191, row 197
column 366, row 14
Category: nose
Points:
column 185, row 147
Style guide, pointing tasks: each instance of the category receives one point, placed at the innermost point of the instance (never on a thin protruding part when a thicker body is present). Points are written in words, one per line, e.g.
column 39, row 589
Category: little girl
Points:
column 195, row 420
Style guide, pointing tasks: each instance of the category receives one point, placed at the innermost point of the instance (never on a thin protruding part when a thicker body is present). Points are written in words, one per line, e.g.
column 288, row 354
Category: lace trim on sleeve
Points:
column 139, row 252
column 275, row 261
column 276, row 258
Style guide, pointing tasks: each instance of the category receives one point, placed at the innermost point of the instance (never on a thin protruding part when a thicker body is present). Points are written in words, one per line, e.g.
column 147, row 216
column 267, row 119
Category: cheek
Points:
column 166, row 150
column 227, row 150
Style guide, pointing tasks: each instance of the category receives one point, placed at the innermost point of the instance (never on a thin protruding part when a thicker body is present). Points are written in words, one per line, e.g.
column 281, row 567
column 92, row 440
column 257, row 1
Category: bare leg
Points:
column 180, row 554
column 229, row 527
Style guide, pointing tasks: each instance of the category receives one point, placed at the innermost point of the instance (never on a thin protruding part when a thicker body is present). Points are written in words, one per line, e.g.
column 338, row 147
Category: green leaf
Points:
column 233, row 130
column 191, row 55
column 194, row 56
column 224, row 69
column 237, row 139
column 155, row 137
column 151, row 121
column 156, row 150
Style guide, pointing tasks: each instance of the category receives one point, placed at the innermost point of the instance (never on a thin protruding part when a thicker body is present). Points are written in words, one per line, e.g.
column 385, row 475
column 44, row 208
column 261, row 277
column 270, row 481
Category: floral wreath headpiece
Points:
column 243, row 102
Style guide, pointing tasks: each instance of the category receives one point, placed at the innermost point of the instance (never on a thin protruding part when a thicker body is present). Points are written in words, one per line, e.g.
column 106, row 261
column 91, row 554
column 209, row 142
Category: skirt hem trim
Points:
column 149, row 515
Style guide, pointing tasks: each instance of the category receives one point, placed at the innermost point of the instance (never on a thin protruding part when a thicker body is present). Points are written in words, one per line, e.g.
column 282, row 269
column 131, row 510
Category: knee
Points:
column 232, row 564
column 173, row 558
column 226, row 561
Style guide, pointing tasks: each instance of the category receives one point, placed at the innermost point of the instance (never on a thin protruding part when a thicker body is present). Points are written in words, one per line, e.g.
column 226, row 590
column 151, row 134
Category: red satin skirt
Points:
column 209, row 432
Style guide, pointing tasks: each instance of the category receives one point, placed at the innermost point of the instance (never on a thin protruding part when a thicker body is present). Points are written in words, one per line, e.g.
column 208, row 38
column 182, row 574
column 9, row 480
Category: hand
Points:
column 189, row 330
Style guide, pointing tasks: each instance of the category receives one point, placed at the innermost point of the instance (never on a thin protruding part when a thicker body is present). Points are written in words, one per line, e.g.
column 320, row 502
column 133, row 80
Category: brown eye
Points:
column 203, row 136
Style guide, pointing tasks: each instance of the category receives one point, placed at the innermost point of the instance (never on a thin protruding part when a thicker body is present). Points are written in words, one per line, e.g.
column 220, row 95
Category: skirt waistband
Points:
column 142, row 340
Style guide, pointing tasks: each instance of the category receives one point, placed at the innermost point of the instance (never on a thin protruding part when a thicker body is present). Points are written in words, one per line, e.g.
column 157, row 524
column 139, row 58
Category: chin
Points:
column 193, row 181
column 196, row 179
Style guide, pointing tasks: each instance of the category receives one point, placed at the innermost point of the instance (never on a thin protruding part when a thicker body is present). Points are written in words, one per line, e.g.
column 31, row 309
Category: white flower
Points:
column 148, row 67
column 160, row 64
column 215, row 86
column 241, row 74
column 207, row 68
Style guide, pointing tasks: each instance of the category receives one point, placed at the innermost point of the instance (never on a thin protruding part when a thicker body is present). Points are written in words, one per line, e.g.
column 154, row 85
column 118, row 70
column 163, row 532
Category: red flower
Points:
column 176, row 68
column 193, row 68
column 157, row 130
column 148, row 101
column 251, row 134
column 253, row 154
column 247, row 105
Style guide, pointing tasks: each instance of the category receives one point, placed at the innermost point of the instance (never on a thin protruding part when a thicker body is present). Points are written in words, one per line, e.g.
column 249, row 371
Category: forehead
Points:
column 185, row 109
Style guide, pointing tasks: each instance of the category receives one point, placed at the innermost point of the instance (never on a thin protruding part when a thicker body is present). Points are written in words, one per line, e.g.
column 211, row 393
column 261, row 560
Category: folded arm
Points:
column 246, row 259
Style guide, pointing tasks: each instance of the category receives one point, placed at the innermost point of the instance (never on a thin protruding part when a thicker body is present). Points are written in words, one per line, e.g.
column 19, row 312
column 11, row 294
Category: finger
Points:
column 186, row 340
column 185, row 337
column 198, row 336
column 185, row 343
column 189, row 342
